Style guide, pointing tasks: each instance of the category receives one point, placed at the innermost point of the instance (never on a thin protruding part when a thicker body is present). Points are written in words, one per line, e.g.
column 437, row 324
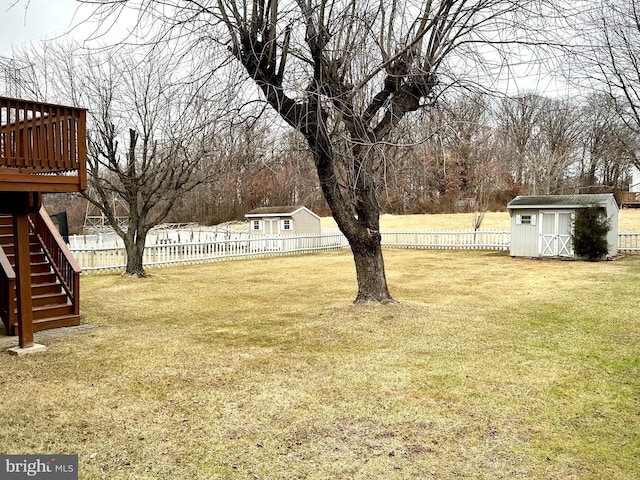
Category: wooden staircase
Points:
column 43, row 149
column 54, row 303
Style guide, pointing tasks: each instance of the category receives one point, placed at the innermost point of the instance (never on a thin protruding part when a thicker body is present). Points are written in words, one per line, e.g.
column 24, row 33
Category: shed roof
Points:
column 286, row 210
column 561, row 201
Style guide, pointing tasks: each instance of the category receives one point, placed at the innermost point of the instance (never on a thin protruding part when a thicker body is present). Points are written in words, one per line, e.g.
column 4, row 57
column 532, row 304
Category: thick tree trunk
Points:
column 372, row 281
column 135, row 251
column 360, row 225
column 364, row 239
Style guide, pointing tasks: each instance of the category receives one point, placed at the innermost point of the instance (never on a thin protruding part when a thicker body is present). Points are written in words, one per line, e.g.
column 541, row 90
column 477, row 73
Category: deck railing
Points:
column 61, row 258
column 37, row 139
column 630, row 198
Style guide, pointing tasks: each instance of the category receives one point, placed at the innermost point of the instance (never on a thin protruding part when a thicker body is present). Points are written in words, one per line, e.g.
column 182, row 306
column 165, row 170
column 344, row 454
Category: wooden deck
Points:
column 630, row 199
column 42, row 147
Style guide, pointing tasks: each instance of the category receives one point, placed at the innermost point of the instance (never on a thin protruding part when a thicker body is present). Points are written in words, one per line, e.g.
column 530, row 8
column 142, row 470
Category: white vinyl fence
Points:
column 113, row 259
column 106, row 259
column 458, row 240
column 629, row 242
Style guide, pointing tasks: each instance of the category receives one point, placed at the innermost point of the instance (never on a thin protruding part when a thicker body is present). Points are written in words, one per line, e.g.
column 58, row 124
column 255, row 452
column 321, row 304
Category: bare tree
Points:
column 518, row 124
column 540, row 138
column 557, row 146
column 608, row 146
column 467, row 139
column 608, row 57
column 345, row 74
column 167, row 130
column 150, row 134
column 442, row 159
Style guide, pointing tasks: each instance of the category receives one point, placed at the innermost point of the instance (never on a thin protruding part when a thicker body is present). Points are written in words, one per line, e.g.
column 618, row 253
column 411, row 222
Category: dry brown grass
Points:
column 489, row 367
column 629, row 221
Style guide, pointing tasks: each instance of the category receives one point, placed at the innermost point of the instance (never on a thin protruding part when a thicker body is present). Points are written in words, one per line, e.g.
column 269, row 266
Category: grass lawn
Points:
column 628, row 221
column 489, row 367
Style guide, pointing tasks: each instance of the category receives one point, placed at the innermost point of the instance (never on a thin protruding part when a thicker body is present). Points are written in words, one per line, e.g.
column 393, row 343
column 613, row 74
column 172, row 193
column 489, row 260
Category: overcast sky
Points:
column 27, row 21
column 32, row 20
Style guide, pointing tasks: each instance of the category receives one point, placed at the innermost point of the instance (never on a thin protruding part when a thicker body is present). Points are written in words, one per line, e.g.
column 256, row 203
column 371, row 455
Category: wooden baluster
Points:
column 66, row 138
column 31, row 129
column 51, row 137
column 20, row 131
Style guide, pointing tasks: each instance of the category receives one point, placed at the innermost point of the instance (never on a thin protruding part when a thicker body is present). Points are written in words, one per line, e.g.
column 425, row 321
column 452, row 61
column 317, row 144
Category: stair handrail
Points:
column 7, row 291
column 62, row 261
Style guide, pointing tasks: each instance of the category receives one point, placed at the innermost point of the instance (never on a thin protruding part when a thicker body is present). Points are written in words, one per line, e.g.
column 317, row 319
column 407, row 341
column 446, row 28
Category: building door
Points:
column 556, row 229
column 271, row 232
column 271, row 226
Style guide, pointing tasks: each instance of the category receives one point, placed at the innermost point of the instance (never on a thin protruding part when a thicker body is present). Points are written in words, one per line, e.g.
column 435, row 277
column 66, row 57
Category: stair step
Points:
column 43, row 277
column 53, row 298
column 35, row 257
column 45, row 288
column 40, row 267
column 9, row 249
column 53, row 322
column 50, row 311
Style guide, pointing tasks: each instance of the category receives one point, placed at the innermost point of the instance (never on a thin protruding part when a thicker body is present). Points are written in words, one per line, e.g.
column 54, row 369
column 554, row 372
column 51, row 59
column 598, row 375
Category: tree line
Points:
column 472, row 152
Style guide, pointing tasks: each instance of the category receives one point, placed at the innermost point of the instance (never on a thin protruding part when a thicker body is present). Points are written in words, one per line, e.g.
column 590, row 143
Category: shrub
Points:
column 590, row 234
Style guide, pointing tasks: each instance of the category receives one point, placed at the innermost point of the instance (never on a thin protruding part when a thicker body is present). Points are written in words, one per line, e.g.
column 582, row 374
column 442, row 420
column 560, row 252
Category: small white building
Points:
column 284, row 220
column 631, row 198
column 635, row 180
column 542, row 226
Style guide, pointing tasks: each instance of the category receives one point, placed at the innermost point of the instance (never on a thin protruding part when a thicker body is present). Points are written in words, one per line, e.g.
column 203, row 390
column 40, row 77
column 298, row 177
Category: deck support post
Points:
column 23, row 284
column 23, row 203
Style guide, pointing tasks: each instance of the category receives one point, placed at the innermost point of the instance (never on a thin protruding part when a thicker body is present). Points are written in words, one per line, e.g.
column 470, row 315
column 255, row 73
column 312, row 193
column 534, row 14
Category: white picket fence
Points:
column 454, row 240
column 109, row 259
column 629, row 242
column 113, row 259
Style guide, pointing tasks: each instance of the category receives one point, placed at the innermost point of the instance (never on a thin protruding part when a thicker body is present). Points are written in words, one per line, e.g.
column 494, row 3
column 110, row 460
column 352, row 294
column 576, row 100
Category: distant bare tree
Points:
column 518, row 124
column 467, row 139
column 557, row 146
column 539, row 138
column 608, row 146
column 440, row 160
column 609, row 56
column 150, row 133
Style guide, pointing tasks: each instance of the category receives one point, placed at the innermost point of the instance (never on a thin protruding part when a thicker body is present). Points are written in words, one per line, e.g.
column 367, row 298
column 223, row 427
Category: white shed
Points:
column 542, row 226
column 284, row 220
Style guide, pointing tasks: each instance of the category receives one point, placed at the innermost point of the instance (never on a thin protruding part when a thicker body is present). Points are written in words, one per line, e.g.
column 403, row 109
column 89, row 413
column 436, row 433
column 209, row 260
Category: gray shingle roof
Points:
column 274, row 210
column 566, row 201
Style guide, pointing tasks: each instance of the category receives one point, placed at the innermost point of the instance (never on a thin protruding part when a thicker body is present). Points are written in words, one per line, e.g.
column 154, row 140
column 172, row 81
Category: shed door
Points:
column 271, row 233
column 271, row 226
column 555, row 234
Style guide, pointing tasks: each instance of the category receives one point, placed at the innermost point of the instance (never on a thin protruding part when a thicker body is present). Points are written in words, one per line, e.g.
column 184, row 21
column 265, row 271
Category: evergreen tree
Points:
column 590, row 234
